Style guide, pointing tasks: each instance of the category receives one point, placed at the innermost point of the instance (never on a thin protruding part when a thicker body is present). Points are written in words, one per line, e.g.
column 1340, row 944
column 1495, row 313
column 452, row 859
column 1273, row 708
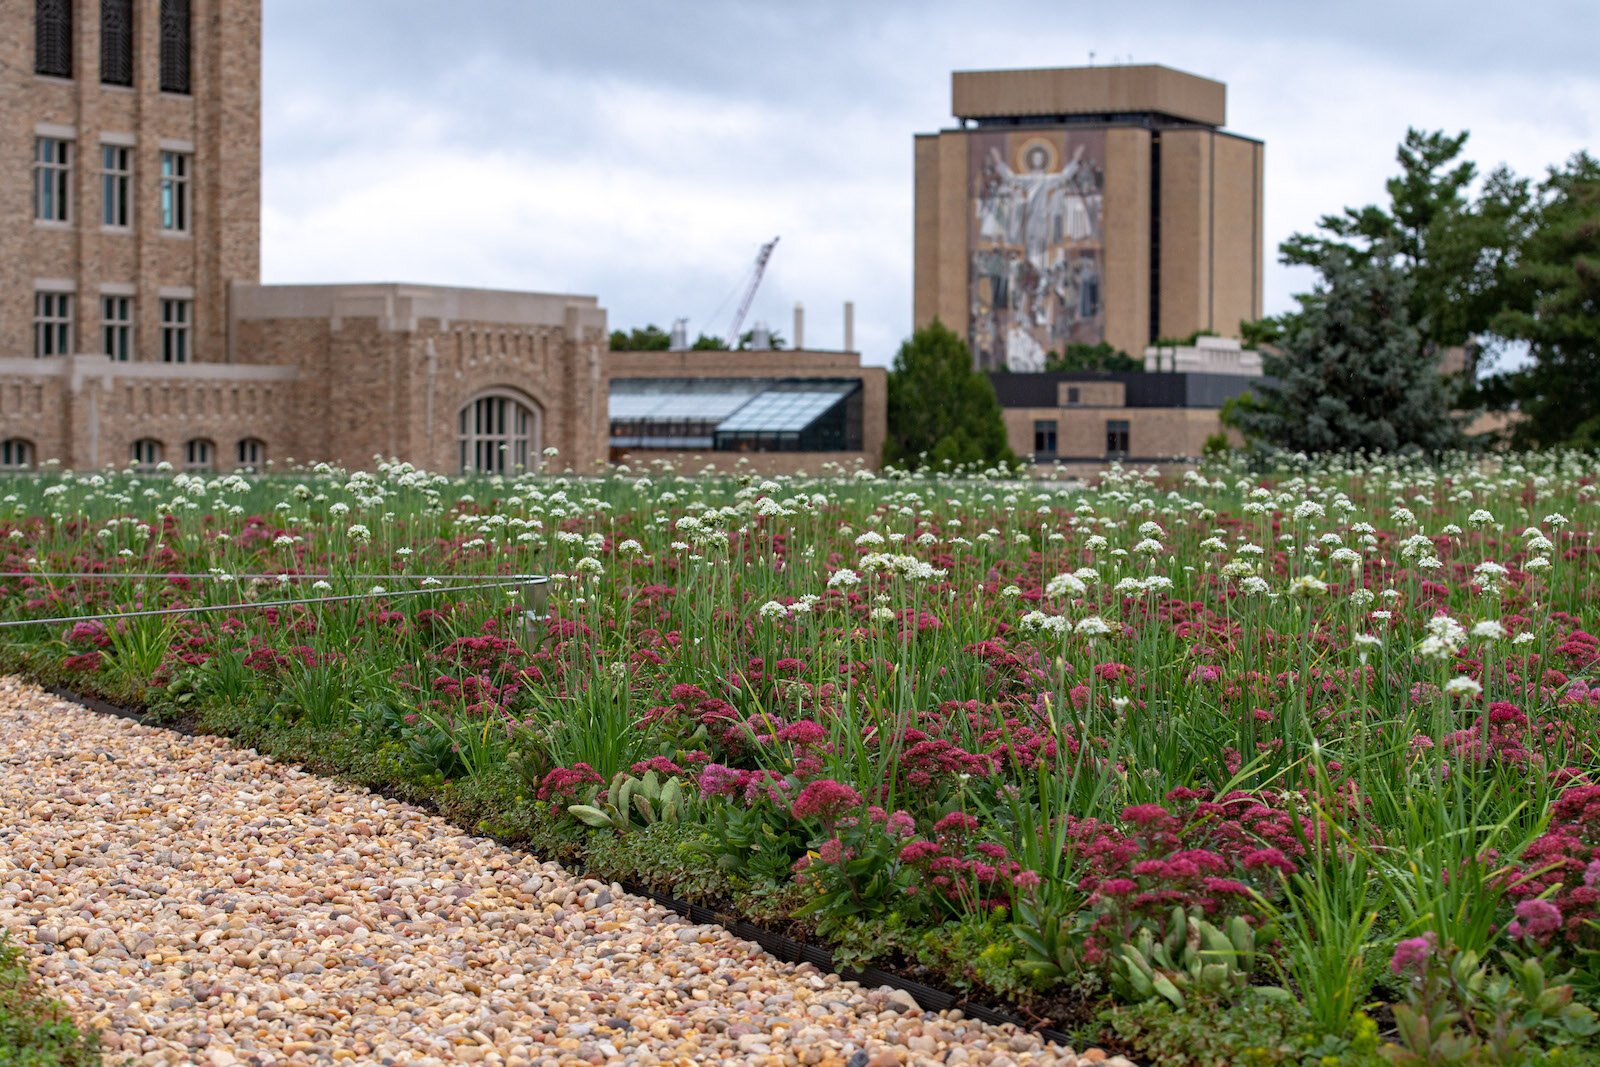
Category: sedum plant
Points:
column 1192, row 957
column 647, row 799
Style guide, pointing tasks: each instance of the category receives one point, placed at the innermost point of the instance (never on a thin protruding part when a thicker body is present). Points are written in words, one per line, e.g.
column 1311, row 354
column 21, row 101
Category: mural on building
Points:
column 1036, row 240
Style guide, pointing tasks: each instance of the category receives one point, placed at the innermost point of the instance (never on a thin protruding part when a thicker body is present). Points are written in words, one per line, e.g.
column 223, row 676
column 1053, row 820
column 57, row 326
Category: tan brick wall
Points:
column 1088, row 90
column 385, row 370
column 85, row 411
column 1092, row 394
column 1185, row 231
column 1127, row 240
column 1153, row 433
column 1236, row 242
column 925, row 227
column 221, row 120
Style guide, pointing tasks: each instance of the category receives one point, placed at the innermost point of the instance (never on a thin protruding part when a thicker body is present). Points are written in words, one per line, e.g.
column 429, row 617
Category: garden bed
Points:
column 1227, row 764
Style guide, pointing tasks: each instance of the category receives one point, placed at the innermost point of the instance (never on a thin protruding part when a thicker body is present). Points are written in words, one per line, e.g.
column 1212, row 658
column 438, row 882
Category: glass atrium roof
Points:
column 734, row 405
column 785, row 410
column 681, row 399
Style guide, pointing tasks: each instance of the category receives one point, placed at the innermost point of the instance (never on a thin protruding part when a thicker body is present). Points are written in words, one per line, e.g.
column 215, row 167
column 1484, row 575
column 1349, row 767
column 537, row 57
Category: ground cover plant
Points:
column 1230, row 767
column 34, row 1030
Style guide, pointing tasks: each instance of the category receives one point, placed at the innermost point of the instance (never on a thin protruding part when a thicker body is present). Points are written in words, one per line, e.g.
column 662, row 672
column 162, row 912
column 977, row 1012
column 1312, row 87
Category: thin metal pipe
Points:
column 146, row 575
column 62, row 620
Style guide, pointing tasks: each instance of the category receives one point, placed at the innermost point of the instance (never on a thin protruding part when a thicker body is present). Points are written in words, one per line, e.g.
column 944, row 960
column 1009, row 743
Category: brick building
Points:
column 133, row 327
column 1081, row 420
column 1082, row 205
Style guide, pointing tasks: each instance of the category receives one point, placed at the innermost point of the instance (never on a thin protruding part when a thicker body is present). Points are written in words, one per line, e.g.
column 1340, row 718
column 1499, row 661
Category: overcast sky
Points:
column 642, row 151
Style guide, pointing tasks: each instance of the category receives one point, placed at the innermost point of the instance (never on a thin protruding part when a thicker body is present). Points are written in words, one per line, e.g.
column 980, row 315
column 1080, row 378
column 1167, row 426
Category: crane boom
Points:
column 750, row 293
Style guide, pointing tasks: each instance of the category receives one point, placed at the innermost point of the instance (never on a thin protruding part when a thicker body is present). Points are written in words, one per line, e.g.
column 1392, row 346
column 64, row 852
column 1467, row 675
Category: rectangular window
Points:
column 1116, row 437
column 175, row 191
column 1044, row 437
column 175, row 46
column 52, row 179
column 52, row 38
column 1072, row 394
column 52, row 324
column 116, row 42
column 116, row 178
column 175, row 331
column 116, row 327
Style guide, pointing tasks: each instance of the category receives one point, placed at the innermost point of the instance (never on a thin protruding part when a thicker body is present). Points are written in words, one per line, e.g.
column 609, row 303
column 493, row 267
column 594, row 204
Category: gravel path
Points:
column 203, row 904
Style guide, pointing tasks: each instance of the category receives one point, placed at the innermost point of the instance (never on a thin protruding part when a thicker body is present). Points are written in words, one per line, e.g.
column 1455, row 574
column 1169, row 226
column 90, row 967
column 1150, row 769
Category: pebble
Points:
column 200, row 903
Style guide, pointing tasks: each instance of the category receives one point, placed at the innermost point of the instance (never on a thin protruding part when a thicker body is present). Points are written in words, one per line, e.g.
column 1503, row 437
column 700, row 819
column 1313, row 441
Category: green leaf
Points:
column 590, row 816
column 1164, row 986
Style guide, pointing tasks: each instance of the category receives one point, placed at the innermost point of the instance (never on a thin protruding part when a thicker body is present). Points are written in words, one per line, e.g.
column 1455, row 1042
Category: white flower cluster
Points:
column 1444, row 640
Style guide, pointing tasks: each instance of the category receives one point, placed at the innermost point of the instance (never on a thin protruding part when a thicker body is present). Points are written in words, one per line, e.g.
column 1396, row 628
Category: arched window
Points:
column 252, row 454
column 199, row 455
column 116, row 42
column 175, row 46
column 16, row 454
column 499, row 433
column 52, row 38
column 145, row 454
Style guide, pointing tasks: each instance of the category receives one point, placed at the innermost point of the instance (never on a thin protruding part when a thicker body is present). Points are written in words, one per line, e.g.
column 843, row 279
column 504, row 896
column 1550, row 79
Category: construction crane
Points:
column 750, row 293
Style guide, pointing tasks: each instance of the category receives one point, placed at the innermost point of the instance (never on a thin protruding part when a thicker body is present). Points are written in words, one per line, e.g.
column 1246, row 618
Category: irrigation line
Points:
column 247, row 605
column 281, row 577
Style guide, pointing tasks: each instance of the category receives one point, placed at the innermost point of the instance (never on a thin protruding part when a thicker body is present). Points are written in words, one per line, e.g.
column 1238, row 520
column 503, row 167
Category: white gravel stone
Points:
column 200, row 903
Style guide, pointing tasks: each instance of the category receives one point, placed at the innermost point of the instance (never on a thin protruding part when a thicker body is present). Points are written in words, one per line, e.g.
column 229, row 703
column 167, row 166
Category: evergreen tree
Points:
column 1555, row 309
column 940, row 409
column 1456, row 250
column 1353, row 370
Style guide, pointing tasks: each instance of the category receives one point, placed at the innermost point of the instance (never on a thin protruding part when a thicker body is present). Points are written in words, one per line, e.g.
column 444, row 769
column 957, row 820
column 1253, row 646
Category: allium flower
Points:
column 1065, row 585
column 1462, row 686
column 1307, row 586
column 1479, row 518
column 1489, row 630
column 842, row 577
column 1092, row 626
column 1591, row 874
column 1411, row 955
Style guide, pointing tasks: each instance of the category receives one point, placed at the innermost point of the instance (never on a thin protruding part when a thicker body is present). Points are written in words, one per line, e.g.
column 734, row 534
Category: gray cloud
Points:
column 641, row 151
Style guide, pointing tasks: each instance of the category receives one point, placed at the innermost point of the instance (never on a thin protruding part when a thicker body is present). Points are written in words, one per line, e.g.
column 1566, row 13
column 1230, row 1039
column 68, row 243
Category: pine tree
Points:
column 1353, row 371
column 941, row 410
column 1555, row 310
